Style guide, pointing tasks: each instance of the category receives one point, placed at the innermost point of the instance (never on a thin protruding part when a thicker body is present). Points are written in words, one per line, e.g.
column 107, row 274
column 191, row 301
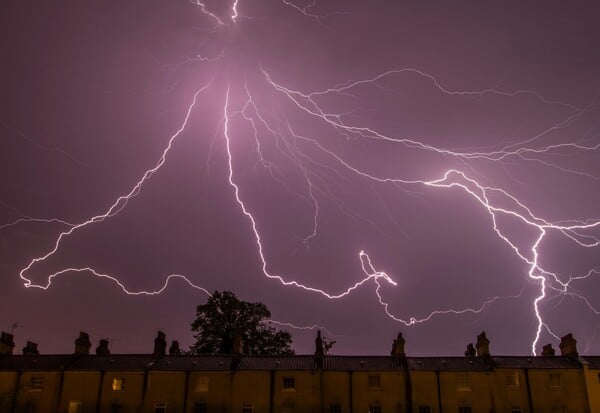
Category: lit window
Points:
column 374, row 381
column 201, row 384
column 118, row 383
column 555, row 380
column 335, row 408
column 463, row 382
column 74, row 406
column 289, row 383
column 36, row 383
column 375, row 409
column 200, row 408
column 160, row 407
column 512, row 380
column 424, row 409
column 247, row 408
column 464, row 409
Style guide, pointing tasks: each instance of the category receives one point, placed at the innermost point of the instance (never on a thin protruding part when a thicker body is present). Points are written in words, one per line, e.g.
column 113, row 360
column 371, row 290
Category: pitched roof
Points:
column 282, row 362
column 538, row 362
column 448, row 364
column 362, row 363
column 199, row 363
column 118, row 362
column 35, row 363
column 593, row 361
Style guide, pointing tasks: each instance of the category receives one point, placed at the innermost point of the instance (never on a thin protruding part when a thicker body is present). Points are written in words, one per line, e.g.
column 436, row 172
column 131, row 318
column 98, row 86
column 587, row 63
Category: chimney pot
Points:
column 83, row 344
column 102, row 349
column 7, row 344
column 174, row 349
column 160, row 345
column 30, row 349
column 319, row 351
column 398, row 346
column 483, row 345
column 568, row 345
column 470, row 352
column 548, row 350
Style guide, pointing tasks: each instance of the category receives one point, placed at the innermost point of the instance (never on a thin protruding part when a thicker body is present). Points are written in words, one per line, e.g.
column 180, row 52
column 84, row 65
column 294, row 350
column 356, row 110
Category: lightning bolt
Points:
column 265, row 124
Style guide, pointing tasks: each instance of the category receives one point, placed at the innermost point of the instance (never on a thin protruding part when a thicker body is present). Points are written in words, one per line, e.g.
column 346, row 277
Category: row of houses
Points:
column 478, row 382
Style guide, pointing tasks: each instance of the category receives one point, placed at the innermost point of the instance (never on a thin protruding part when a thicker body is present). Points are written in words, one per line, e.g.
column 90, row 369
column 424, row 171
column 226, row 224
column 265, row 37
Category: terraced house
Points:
column 239, row 383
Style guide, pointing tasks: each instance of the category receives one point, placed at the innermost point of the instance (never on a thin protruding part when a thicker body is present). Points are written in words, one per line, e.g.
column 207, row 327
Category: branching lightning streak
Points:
column 496, row 201
column 454, row 178
column 118, row 205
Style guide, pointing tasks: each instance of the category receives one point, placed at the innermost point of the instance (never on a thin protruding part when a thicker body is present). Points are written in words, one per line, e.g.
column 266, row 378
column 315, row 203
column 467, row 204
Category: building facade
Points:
column 319, row 383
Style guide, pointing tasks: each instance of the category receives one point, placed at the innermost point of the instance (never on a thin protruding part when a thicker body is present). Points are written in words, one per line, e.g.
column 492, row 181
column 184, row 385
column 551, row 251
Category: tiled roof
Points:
column 362, row 363
column 126, row 362
column 283, row 362
column 119, row 362
column 593, row 361
column 38, row 363
column 205, row 363
column 539, row 362
column 448, row 364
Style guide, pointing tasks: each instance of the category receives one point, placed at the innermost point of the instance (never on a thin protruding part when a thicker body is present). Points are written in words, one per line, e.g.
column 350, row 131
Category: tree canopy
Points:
column 224, row 317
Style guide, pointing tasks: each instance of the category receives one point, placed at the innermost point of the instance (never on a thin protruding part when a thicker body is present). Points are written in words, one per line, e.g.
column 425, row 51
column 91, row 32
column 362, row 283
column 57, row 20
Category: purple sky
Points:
column 506, row 96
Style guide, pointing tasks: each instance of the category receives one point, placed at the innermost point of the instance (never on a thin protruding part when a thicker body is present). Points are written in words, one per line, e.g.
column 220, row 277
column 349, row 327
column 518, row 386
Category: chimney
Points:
column 319, row 351
column 547, row 350
column 102, row 349
column 398, row 346
column 7, row 344
column 470, row 351
column 483, row 345
column 83, row 344
column 160, row 345
column 174, row 349
column 568, row 346
column 30, row 349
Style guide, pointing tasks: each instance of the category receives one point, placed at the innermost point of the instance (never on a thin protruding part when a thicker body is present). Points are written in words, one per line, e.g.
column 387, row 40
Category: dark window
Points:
column 374, row 381
column 375, row 409
column 555, row 380
column 288, row 407
column 516, row 410
column 464, row 409
column 35, row 384
column 247, row 408
column 201, row 408
column 424, row 409
column 289, row 383
column 160, row 408
column 116, row 408
column 335, row 408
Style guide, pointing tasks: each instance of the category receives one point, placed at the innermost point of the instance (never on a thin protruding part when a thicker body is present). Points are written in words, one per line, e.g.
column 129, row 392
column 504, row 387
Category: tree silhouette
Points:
column 224, row 317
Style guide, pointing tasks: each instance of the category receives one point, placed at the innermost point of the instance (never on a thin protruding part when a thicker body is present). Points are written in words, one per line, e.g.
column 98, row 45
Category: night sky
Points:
column 465, row 162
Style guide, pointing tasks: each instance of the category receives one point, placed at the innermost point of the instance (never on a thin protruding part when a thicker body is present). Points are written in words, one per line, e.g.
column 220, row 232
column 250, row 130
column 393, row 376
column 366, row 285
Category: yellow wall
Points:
column 571, row 394
column 129, row 398
column 42, row 398
column 592, row 381
column 82, row 386
column 477, row 395
column 218, row 395
column 424, row 390
column 305, row 397
column 250, row 387
column 165, row 387
column 7, row 389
